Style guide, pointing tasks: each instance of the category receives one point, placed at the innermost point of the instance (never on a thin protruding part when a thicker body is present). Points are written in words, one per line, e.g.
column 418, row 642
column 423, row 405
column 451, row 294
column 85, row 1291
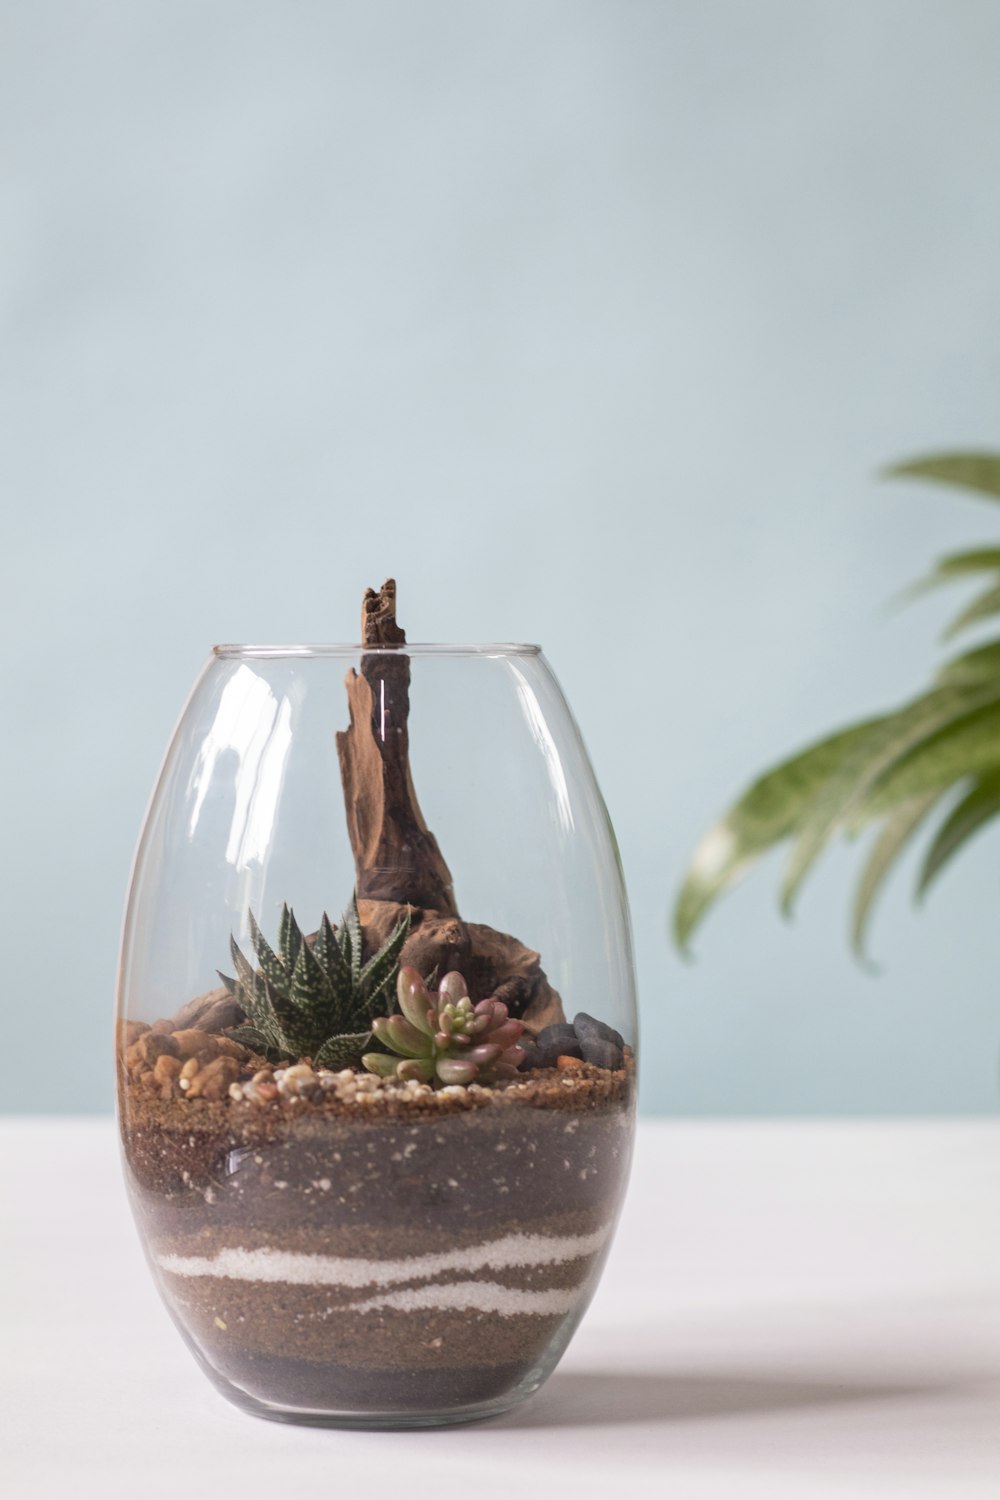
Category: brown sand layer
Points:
column 305, row 1323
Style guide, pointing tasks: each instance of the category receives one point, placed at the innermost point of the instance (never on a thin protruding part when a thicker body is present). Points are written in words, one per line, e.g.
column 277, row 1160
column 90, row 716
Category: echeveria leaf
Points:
column 972, row 471
column 768, row 812
column 976, row 808
column 895, row 834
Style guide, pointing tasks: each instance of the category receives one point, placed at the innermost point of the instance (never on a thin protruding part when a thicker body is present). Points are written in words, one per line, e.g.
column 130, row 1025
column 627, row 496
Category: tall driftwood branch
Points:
column 396, row 855
column 400, row 869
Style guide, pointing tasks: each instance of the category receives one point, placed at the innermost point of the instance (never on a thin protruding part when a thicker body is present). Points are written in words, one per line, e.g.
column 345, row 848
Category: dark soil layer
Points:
column 531, row 1176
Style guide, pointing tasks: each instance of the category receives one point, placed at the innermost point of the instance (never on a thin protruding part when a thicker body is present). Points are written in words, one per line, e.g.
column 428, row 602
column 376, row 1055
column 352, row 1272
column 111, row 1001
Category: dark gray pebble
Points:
column 532, row 1054
column 561, row 1031
column 557, row 1047
column 601, row 1053
column 588, row 1027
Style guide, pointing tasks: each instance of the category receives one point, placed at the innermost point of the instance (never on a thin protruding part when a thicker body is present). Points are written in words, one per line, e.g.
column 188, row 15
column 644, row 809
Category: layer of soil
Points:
column 386, row 1253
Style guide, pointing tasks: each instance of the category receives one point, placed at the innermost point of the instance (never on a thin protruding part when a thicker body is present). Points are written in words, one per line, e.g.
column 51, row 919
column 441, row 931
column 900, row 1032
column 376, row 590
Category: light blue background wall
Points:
column 591, row 322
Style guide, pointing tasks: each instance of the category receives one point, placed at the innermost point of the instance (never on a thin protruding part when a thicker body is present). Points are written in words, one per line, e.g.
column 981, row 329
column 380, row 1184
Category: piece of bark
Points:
column 395, row 854
column 492, row 963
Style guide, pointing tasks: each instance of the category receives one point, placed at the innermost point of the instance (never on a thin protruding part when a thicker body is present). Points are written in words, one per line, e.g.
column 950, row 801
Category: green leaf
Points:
column 342, row 1051
column 976, row 808
column 270, row 965
column 845, row 797
column 289, row 937
column 250, row 1037
column 325, row 949
column 982, row 607
column 976, row 667
column 312, row 996
column 769, row 811
column 954, row 568
column 380, row 970
column 351, row 926
column 896, row 833
column 402, row 1036
column 967, row 745
column 972, row 471
column 381, row 1063
column 245, row 972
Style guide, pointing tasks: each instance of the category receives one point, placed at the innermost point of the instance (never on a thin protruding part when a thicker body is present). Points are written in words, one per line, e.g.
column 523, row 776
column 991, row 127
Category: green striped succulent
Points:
column 313, row 997
column 941, row 750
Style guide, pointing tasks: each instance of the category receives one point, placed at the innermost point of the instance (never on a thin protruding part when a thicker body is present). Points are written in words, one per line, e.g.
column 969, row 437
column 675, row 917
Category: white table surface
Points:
column 793, row 1309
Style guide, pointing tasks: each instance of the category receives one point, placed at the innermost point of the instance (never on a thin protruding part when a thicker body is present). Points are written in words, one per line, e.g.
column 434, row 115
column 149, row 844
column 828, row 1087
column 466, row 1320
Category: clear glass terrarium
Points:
column 376, row 1084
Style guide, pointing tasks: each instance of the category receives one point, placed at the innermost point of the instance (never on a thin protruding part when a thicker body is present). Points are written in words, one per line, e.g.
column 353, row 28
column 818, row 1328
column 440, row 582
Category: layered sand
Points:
column 347, row 1260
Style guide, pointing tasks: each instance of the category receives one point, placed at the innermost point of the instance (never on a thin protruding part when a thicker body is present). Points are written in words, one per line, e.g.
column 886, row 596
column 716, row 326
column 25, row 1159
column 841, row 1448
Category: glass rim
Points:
column 353, row 649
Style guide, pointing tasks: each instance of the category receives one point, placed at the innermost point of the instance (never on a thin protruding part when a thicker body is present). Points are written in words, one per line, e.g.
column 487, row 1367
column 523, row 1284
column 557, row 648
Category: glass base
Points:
column 477, row 1411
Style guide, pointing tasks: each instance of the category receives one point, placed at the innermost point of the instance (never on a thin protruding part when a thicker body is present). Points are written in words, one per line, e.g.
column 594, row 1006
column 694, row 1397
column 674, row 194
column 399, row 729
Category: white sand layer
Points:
column 511, row 1252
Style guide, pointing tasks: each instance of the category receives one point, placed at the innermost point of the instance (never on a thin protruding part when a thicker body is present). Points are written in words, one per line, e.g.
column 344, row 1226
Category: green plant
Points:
column 895, row 770
column 313, row 997
column 444, row 1038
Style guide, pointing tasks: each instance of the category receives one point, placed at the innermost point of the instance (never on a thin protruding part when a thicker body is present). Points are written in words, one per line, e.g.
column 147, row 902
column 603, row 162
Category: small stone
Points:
column 550, row 1053
column 568, row 1061
column 532, row 1056
column 130, row 1031
column 226, row 1047
column 199, row 1044
column 166, row 1069
column 588, row 1027
column 236, row 1091
column 561, row 1030
column 149, row 1047
column 603, row 1054
column 212, row 1082
column 190, row 1068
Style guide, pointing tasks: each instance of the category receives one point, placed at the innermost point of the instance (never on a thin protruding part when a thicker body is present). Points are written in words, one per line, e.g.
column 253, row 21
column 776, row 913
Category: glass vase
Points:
column 376, row 1084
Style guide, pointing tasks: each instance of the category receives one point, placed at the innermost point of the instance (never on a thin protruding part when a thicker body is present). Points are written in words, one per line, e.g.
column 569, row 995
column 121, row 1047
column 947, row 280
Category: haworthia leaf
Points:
column 982, row 607
column 245, row 971
column 976, row 808
column 342, row 1051
column 289, row 938
column 978, row 666
column 972, row 471
column 250, row 1037
column 380, row 969
column 769, row 811
column 351, row 925
column 844, row 796
column 312, row 995
column 270, row 965
column 323, row 947
column 895, row 834
column 228, row 981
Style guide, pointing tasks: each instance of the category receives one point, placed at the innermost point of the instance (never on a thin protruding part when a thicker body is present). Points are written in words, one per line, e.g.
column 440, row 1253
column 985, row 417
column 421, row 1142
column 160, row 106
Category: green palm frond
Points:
column 892, row 772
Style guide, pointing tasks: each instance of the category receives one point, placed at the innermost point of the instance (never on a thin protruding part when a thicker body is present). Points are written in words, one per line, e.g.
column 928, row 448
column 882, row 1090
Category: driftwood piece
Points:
column 397, row 859
column 493, row 963
column 395, row 854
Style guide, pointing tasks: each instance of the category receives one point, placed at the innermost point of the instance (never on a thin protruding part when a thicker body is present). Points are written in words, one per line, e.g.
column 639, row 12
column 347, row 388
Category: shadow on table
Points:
column 582, row 1398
